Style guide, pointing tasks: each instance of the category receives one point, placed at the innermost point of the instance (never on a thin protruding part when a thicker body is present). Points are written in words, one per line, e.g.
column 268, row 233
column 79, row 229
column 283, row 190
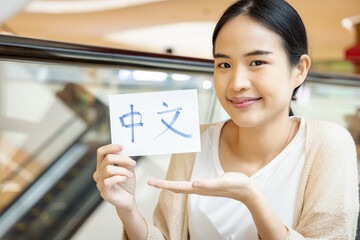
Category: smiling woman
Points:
column 252, row 72
column 262, row 174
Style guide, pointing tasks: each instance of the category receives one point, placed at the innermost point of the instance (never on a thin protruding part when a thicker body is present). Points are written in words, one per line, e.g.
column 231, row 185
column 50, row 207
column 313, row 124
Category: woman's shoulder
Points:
column 203, row 127
column 211, row 126
column 328, row 139
column 330, row 151
column 325, row 131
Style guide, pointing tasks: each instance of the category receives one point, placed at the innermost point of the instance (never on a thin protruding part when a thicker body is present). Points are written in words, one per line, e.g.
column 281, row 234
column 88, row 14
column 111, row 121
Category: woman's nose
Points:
column 240, row 80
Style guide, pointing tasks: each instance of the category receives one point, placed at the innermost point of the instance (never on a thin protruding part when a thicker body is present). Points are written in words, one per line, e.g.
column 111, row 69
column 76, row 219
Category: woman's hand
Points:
column 233, row 185
column 237, row 186
column 115, row 177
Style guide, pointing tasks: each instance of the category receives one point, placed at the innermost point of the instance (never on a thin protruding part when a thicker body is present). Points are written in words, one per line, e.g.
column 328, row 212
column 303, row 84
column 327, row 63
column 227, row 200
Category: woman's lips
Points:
column 243, row 102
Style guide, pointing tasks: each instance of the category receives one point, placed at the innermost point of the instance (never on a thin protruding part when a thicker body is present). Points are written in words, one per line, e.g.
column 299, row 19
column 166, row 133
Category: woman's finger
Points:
column 175, row 186
column 211, row 183
column 185, row 187
column 111, row 170
column 111, row 181
column 226, row 181
column 107, row 149
column 119, row 160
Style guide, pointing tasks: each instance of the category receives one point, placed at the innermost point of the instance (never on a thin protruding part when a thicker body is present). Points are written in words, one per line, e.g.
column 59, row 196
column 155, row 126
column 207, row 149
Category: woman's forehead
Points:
column 245, row 34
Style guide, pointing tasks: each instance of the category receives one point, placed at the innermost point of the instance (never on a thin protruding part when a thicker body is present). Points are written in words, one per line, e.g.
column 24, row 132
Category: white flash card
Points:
column 155, row 122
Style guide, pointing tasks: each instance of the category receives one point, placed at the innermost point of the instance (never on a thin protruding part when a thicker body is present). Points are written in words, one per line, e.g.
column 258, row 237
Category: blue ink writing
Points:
column 133, row 124
column 170, row 125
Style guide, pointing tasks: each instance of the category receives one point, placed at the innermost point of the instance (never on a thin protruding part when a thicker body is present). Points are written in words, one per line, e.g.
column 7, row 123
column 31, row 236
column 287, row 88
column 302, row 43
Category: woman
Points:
column 261, row 174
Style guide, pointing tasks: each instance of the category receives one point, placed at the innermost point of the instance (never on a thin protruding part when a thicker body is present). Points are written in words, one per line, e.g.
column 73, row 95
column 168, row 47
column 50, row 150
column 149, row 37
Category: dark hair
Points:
column 276, row 15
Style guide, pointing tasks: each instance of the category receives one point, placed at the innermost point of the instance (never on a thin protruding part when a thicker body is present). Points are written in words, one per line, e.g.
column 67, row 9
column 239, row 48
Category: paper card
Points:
column 155, row 122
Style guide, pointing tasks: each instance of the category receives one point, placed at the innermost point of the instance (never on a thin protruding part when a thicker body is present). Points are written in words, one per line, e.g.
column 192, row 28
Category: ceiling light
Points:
column 349, row 22
column 206, row 84
column 346, row 23
column 125, row 75
column 180, row 77
column 149, row 76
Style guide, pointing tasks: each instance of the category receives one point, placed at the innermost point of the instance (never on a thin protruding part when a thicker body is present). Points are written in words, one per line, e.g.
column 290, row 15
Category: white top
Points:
column 222, row 218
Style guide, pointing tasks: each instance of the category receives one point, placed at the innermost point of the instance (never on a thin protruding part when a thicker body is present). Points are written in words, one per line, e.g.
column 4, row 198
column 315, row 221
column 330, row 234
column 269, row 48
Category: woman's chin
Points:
column 245, row 122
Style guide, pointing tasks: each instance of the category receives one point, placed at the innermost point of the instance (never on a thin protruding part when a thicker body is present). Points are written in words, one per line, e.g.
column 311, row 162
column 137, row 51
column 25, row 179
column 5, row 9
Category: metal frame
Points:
column 36, row 50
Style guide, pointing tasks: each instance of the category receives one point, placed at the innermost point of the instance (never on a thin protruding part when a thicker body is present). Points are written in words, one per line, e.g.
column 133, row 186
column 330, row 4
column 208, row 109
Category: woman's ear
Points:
column 302, row 69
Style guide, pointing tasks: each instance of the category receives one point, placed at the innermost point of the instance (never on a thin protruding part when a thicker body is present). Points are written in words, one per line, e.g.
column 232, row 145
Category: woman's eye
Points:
column 256, row 63
column 224, row 65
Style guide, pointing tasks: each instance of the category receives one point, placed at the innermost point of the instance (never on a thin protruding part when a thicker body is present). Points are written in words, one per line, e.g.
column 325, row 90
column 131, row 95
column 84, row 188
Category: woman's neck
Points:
column 253, row 148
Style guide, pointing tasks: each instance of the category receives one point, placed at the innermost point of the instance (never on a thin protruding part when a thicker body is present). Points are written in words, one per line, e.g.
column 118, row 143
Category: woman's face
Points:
column 252, row 76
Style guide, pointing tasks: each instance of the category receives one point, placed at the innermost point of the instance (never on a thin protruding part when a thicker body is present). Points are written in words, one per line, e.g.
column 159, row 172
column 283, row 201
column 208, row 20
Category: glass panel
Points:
column 335, row 67
column 47, row 107
column 335, row 103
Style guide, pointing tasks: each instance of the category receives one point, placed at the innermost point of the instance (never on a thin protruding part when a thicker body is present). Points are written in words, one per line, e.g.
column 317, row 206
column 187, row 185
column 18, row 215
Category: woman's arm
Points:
column 237, row 186
column 266, row 220
column 135, row 226
column 328, row 201
column 115, row 179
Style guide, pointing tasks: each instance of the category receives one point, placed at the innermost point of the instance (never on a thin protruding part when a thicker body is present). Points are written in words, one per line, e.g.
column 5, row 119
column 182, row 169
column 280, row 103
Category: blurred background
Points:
column 181, row 27
column 59, row 61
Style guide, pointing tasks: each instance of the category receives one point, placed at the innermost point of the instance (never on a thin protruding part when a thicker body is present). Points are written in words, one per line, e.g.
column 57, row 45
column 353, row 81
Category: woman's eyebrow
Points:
column 257, row 52
column 220, row 55
column 252, row 53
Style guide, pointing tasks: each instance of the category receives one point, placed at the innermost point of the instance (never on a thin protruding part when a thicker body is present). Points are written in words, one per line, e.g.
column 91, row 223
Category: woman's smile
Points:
column 243, row 102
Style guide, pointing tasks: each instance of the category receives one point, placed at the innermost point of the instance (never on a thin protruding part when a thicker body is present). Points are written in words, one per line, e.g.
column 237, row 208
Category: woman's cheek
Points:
column 219, row 85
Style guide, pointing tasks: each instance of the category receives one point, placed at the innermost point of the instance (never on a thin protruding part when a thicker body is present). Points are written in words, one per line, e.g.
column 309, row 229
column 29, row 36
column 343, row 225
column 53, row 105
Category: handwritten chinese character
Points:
column 170, row 125
column 132, row 125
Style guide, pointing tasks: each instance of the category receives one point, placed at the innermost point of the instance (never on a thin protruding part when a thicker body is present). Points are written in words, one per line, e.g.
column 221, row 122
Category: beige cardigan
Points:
column 327, row 202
